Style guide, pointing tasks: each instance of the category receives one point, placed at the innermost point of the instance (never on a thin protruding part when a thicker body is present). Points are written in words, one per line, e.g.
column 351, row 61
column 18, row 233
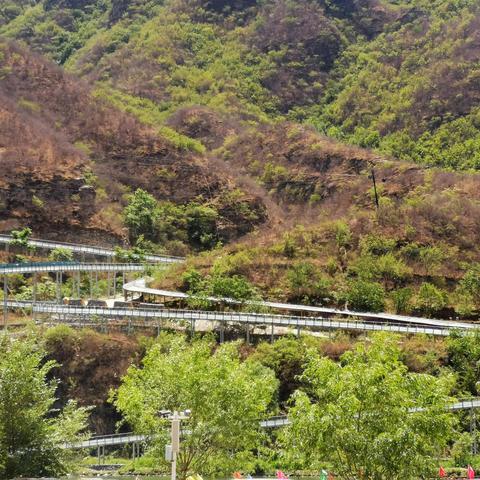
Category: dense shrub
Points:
column 363, row 295
column 430, row 299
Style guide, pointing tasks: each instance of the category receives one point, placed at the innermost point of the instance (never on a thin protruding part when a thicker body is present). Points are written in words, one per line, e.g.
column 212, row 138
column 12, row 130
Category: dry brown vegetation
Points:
column 56, row 138
column 89, row 366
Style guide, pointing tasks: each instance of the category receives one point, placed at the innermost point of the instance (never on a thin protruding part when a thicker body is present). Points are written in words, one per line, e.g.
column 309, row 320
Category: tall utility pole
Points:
column 172, row 450
column 175, row 439
column 377, row 204
column 374, row 180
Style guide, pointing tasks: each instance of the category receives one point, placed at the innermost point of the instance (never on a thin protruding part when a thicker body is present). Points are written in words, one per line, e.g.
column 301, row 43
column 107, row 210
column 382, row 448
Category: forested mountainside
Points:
column 400, row 76
column 69, row 159
column 185, row 125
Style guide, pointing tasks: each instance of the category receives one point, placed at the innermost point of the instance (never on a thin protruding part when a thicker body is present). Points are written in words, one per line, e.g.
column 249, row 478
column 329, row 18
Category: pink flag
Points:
column 442, row 473
column 470, row 473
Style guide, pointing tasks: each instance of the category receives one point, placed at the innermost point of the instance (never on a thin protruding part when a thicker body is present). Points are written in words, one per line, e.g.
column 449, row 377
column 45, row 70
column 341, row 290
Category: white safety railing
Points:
column 88, row 249
column 273, row 422
column 139, row 287
column 10, row 268
column 73, row 313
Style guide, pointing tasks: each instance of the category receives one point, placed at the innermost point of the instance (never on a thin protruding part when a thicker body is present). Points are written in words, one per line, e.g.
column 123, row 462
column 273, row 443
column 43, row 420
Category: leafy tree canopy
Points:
column 32, row 434
column 227, row 398
column 358, row 415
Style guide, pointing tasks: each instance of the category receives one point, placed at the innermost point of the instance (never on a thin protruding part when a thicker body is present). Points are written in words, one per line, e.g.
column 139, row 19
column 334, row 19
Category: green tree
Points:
column 430, row 299
column 358, row 415
column 402, row 300
column 236, row 287
column 202, row 225
column 464, row 358
column 132, row 255
column 306, row 283
column 20, row 238
column 365, row 296
column 46, row 290
column 61, row 255
column 461, row 451
column 286, row 357
column 32, row 433
column 227, row 398
column 470, row 284
column 343, row 235
column 141, row 215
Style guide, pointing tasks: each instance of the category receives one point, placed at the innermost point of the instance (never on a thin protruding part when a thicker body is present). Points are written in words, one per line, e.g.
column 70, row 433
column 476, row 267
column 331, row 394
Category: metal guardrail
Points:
column 109, row 441
column 386, row 322
column 10, row 268
column 139, row 286
column 88, row 249
column 273, row 422
column 150, row 315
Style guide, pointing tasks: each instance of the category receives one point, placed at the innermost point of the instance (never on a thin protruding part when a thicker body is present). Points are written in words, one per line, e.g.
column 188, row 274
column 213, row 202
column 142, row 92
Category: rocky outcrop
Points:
column 59, row 201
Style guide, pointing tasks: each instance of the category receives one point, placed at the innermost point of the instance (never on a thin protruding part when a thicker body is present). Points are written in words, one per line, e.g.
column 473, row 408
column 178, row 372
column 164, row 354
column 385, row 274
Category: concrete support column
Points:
column 248, row 334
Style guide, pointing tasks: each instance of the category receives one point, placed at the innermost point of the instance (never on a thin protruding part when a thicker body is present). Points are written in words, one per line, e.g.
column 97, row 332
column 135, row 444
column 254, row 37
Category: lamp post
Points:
column 173, row 449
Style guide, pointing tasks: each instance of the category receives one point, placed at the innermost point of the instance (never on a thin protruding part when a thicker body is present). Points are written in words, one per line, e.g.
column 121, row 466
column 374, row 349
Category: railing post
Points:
column 222, row 332
column 473, row 431
column 5, row 302
column 57, row 286
column 34, row 293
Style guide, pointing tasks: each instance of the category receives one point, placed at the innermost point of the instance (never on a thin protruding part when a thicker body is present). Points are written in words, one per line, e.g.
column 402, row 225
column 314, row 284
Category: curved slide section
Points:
column 8, row 268
column 88, row 249
column 384, row 321
column 139, row 287
column 153, row 318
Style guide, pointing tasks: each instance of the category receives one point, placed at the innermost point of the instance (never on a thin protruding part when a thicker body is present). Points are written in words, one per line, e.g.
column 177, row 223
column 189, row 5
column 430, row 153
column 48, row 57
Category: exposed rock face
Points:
column 87, row 196
column 54, row 133
column 59, row 201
